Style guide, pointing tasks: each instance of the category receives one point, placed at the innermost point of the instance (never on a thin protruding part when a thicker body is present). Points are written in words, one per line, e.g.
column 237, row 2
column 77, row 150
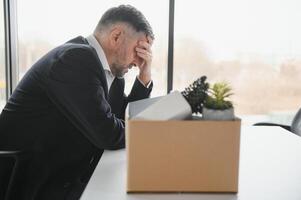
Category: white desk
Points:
column 270, row 169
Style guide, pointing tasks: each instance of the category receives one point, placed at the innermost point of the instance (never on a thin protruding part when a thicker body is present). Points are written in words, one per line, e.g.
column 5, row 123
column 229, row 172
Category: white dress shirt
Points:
column 103, row 59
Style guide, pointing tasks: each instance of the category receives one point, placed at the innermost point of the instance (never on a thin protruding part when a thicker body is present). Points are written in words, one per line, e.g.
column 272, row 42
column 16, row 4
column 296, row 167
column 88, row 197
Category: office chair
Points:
column 9, row 163
column 295, row 127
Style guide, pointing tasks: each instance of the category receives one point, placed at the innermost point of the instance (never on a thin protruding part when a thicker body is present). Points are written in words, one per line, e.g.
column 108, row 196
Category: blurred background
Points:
column 255, row 45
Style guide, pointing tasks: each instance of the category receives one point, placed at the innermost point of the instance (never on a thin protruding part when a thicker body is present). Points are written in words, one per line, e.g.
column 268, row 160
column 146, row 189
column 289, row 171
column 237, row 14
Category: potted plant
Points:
column 196, row 94
column 216, row 105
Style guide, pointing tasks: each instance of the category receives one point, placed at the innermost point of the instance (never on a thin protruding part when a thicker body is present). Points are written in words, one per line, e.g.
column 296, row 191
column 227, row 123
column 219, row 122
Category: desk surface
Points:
column 270, row 169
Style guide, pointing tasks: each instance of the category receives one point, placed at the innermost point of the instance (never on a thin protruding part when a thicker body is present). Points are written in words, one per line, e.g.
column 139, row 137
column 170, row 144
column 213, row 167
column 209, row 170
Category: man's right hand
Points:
column 145, row 53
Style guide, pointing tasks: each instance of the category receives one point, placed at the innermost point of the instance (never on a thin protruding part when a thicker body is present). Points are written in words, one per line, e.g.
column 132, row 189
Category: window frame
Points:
column 11, row 53
column 11, row 46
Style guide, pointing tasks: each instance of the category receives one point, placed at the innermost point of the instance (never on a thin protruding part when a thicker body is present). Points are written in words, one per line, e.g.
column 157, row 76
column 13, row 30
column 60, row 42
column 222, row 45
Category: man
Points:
column 70, row 105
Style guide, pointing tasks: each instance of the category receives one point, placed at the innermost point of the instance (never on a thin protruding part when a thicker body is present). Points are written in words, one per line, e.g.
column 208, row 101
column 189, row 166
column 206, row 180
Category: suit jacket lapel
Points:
column 82, row 40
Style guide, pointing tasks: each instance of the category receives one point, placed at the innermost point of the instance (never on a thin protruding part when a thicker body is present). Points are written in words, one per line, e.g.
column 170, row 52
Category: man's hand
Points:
column 145, row 53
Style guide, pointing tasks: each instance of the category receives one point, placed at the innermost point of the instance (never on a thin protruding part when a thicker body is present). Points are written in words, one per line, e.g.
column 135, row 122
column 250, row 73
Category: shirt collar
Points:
column 100, row 52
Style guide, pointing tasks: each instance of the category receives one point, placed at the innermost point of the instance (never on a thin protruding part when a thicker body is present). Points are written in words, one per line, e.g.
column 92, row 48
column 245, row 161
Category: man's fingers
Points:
column 143, row 56
column 145, row 45
column 142, row 50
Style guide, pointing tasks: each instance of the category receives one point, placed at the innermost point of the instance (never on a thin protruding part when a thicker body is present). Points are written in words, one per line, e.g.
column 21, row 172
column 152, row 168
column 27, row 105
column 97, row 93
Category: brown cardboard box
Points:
column 182, row 156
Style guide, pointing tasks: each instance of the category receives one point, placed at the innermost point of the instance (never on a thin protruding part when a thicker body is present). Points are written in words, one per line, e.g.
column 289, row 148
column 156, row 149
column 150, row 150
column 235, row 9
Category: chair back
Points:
column 296, row 123
column 8, row 167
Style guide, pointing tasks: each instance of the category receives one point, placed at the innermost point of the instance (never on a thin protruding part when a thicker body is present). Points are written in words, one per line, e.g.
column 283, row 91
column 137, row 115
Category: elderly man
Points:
column 70, row 105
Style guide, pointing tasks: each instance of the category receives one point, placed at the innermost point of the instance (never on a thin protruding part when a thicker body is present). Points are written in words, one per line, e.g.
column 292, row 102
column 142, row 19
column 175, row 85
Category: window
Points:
column 252, row 44
column 54, row 22
column 2, row 60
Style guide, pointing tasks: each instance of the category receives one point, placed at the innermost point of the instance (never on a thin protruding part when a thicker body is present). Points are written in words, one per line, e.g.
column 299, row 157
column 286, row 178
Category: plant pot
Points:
column 210, row 114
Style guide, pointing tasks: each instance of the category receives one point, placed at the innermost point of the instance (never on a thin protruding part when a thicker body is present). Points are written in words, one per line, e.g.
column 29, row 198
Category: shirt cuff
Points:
column 147, row 85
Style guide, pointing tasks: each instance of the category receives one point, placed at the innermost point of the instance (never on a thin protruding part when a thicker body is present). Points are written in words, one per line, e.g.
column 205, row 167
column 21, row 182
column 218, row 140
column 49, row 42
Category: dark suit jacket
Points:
column 59, row 116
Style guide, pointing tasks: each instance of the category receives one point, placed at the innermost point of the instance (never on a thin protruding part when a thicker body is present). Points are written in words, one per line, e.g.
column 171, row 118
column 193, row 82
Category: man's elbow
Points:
column 115, row 144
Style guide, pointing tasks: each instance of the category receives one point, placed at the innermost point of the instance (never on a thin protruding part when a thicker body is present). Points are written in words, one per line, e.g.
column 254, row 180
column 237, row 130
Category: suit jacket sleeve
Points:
column 74, row 85
column 138, row 92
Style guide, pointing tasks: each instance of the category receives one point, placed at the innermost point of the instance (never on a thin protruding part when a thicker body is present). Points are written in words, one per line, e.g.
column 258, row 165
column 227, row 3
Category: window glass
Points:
column 254, row 45
column 2, row 60
column 54, row 22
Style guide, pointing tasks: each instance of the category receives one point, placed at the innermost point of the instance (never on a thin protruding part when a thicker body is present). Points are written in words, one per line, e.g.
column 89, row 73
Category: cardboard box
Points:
column 182, row 156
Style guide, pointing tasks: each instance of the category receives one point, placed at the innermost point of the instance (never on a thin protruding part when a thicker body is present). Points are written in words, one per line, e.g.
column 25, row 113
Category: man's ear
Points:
column 116, row 36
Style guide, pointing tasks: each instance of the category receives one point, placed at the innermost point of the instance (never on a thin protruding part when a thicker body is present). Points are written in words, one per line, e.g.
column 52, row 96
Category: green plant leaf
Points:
column 217, row 98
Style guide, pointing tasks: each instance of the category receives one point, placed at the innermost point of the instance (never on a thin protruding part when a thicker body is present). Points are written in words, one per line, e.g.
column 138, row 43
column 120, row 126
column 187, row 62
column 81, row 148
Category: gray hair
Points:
column 127, row 14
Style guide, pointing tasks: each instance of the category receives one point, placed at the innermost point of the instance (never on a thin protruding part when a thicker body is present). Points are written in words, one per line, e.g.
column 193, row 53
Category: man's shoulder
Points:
column 76, row 49
column 79, row 55
column 78, row 44
column 78, row 40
